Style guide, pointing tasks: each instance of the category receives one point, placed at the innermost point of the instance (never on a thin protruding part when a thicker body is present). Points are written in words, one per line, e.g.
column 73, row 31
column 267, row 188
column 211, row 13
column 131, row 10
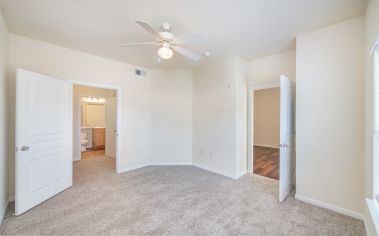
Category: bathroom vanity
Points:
column 98, row 138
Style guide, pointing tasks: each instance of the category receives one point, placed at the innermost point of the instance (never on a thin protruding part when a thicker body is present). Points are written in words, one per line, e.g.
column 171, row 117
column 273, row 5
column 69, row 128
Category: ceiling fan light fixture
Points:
column 165, row 52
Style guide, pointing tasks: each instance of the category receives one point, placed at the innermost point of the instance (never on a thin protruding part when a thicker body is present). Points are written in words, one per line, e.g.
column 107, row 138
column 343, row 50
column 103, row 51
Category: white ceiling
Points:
column 250, row 29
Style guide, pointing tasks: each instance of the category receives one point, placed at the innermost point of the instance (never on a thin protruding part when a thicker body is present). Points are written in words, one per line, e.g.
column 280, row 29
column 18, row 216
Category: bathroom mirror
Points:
column 93, row 115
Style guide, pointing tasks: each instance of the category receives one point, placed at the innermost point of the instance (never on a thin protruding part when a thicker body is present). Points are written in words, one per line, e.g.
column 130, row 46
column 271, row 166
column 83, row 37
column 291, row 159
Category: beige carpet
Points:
column 175, row 200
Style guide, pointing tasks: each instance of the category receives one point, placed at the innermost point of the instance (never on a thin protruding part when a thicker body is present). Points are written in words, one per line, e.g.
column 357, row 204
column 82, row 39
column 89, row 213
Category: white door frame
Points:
column 250, row 120
column 118, row 118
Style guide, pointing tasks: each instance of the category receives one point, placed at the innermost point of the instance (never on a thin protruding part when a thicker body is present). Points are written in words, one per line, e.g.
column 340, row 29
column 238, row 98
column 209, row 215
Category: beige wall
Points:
column 372, row 35
column 268, row 69
column 171, row 117
column 329, row 115
column 267, row 117
column 4, row 52
column 219, row 117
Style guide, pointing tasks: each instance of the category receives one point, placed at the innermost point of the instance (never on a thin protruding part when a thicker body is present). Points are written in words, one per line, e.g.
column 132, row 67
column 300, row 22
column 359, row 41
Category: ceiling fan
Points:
column 168, row 42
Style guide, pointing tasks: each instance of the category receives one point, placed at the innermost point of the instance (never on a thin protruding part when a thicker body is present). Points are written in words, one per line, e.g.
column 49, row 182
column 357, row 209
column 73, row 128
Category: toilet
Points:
column 83, row 141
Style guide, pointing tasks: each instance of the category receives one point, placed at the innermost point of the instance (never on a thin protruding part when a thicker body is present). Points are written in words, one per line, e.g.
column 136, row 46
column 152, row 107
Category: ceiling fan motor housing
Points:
column 166, row 27
column 166, row 36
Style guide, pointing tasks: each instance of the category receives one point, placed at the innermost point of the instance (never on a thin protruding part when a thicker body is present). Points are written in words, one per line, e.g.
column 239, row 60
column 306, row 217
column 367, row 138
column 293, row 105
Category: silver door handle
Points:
column 24, row 148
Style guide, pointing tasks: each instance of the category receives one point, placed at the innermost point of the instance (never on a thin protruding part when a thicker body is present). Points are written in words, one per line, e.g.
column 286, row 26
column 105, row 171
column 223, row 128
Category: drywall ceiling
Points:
column 250, row 29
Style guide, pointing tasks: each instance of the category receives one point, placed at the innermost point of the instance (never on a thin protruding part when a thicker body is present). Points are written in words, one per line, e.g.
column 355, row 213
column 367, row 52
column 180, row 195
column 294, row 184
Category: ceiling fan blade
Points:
column 126, row 45
column 194, row 38
column 188, row 53
column 149, row 29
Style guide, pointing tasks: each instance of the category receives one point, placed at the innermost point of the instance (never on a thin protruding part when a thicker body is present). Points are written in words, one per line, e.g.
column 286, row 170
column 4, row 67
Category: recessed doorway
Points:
column 266, row 132
column 95, row 119
column 271, row 133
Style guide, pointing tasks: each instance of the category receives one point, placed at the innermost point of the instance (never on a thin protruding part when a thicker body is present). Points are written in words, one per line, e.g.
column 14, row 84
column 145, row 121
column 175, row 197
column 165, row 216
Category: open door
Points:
column 43, row 143
column 110, row 127
column 287, row 136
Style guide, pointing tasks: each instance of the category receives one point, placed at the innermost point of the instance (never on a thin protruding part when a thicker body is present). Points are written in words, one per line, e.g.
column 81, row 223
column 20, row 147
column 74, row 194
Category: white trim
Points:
column 182, row 164
column 170, row 164
column 365, row 223
column 69, row 131
column 331, row 207
column 266, row 145
column 240, row 174
column 376, row 44
column 250, row 130
column 4, row 210
column 119, row 120
column 373, row 208
column 215, row 171
column 265, row 86
column 135, row 167
column 5, row 207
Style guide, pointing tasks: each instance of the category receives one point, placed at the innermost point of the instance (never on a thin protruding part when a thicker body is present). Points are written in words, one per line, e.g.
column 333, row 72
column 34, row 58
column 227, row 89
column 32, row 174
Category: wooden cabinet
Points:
column 98, row 138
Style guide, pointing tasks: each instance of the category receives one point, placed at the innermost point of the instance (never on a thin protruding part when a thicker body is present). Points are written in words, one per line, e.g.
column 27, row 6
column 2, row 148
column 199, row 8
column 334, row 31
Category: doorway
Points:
column 95, row 123
column 266, row 132
column 271, row 133
column 48, row 138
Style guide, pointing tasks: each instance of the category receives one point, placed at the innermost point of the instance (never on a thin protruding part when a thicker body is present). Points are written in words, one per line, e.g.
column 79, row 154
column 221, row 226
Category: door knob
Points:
column 24, row 148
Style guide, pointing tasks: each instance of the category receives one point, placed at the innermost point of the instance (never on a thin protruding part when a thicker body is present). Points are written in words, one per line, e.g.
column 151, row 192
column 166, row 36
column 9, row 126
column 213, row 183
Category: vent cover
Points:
column 140, row 72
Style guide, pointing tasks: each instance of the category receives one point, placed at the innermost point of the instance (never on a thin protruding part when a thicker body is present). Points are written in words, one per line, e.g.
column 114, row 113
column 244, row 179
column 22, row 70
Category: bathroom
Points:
column 94, row 123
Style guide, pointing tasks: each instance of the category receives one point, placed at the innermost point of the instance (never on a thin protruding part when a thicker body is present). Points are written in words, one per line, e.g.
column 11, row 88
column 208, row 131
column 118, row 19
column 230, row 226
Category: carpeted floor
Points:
column 173, row 200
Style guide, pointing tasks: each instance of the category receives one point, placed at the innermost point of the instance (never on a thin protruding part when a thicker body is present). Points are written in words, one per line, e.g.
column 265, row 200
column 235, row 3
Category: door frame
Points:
column 118, row 90
column 250, row 120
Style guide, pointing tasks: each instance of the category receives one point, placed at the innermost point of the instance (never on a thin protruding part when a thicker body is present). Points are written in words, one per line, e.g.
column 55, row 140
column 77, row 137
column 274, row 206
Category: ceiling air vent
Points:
column 140, row 72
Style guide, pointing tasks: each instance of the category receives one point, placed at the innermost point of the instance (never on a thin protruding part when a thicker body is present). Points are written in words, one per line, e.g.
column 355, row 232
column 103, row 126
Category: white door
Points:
column 43, row 129
column 110, row 127
column 287, row 136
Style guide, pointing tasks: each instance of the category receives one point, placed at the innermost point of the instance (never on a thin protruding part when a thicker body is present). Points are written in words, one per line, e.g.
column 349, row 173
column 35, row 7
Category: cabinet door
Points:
column 98, row 138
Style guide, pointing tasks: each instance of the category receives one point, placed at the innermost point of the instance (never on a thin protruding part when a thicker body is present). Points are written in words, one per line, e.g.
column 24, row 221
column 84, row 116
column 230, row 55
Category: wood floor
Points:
column 93, row 153
column 266, row 162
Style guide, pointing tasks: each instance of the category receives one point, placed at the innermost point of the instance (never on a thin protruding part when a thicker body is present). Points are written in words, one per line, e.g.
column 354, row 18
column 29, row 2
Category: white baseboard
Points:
column 182, row 164
column 373, row 213
column 170, row 164
column 331, row 207
column 4, row 208
column 131, row 168
column 266, row 145
column 241, row 174
column 215, row 171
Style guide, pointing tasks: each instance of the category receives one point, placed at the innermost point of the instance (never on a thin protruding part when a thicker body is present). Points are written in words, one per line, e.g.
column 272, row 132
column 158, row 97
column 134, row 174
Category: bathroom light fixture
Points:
column 165, row 51
column 93, row 100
